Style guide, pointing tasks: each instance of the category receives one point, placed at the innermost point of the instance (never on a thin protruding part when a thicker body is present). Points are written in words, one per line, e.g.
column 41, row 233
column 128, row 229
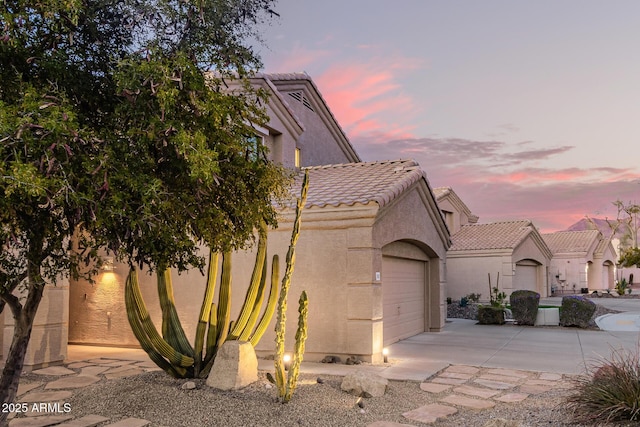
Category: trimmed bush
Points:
column 610, row 391
column 576, row 311
column 524, row 306
column 489, row 315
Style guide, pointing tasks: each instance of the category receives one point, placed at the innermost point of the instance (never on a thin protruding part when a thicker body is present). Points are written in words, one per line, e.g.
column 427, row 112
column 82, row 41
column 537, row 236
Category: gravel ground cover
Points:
column 156, row 397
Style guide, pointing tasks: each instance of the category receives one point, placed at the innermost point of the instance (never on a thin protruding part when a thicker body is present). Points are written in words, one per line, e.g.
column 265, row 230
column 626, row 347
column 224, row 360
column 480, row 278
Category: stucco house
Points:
column 371, row 252
column 514, row 249
column 456, row 213
column 582, row 260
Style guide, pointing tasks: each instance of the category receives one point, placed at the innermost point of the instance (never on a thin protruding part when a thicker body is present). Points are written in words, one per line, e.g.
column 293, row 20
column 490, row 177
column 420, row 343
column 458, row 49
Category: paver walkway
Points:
column 461, row 387
column 457, row 388
column 44, row 400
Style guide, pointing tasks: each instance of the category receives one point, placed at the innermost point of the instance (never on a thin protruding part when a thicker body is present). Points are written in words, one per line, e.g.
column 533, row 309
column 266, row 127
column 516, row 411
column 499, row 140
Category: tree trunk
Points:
column 21, row 335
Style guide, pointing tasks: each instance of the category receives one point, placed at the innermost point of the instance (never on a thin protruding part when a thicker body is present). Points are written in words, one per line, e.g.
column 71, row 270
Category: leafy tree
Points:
column 630, row 257
column 112, row 135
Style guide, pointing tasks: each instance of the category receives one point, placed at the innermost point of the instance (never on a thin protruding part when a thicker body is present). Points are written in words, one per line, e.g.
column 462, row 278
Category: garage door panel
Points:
column 526, row 277
column 403, row 292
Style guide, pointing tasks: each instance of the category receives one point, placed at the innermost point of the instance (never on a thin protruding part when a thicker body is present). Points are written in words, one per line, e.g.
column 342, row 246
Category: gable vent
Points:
column 299, row 96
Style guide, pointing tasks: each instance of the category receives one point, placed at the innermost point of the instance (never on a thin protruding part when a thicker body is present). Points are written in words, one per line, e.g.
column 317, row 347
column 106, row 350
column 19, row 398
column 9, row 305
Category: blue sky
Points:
column 527, row 109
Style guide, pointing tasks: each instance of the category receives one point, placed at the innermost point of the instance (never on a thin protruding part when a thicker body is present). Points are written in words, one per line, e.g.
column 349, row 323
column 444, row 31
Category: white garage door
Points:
column 403, row 287
column 526, row 276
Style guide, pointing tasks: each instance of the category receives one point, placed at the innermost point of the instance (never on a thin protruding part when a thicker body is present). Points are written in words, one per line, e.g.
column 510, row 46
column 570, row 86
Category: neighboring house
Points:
column 512, row 250
column 456, row 213
column 371, row 253
column 582, row 260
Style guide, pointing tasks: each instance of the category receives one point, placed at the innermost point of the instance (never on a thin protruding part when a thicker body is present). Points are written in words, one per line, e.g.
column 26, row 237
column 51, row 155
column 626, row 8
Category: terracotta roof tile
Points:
column 571, row 241
column 497, row 235
column 351, row 183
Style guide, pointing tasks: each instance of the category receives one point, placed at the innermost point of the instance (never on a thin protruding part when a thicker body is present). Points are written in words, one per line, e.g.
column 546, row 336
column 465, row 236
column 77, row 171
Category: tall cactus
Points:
column 286, row 387
column 172, row 351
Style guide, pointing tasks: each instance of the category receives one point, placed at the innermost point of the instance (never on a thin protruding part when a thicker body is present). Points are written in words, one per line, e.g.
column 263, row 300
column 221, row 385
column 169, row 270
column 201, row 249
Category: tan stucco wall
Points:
column 412, row 219
column 337, row 258
column 572, row 272
column 469, row 273
column 48, row 344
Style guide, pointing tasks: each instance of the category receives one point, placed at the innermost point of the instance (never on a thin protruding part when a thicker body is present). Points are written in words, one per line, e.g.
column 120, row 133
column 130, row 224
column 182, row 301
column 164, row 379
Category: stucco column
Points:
column 364, row 297
column 49, row 336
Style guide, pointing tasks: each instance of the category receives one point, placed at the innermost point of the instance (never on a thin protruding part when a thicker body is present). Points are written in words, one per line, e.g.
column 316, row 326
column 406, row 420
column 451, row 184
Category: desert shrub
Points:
column 524, row 306
column 622, row 286
column 449, row 300
column 473, row 297
column 490, row 315
column 576, row 311
column 610, row 391
column 463, row 302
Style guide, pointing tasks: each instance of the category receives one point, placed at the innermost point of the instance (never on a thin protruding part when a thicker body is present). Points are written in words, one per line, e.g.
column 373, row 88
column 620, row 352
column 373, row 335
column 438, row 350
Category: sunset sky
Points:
column 527, row 109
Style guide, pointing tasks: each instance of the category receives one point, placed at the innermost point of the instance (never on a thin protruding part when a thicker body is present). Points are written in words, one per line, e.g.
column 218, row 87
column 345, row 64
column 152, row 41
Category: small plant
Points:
column 473, row 297
column 449, row 300
column 629, row 291
column 464, row 301
column 610, row 391
column 496, row 298
column 622, row 286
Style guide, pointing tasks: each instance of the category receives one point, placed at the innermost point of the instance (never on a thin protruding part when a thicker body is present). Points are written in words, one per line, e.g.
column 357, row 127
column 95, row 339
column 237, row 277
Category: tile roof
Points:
column 571, row 241
column 440, row 192
column 497, row 235
column 351, row 183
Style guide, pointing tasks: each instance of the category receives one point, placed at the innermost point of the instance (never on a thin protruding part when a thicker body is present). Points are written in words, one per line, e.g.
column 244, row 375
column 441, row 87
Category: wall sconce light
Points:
column 108, row 264
column 385, row 355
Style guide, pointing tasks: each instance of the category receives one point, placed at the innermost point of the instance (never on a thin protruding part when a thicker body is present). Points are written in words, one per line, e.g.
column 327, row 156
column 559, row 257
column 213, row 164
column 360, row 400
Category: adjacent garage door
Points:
column 403, row 293
column 526, row 276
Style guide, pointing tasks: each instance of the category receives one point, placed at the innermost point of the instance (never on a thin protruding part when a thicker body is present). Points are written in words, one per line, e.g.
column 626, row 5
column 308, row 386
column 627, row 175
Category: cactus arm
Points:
column 212, row 349
column 301, row 337
column 205, row 311
column 271, row 303
column 252, row 292
column 281, row 318
column 172, row 330
column 224, row 301
column 253, row 318
column 151, row 336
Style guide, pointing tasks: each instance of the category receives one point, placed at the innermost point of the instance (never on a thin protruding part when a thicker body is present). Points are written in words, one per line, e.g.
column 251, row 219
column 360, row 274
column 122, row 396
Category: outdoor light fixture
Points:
column 286, row 359
column 385, row 354
column 108, row 264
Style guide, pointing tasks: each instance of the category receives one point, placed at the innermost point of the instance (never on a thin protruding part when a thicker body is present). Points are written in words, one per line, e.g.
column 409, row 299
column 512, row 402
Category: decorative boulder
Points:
column 524, row 306
column 364, row 384
column 236, row 366
column 576, row 311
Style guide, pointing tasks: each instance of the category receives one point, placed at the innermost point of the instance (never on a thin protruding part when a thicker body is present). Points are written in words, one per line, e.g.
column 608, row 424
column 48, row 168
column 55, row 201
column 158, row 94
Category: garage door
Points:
column 403, row 287
column 526, row 276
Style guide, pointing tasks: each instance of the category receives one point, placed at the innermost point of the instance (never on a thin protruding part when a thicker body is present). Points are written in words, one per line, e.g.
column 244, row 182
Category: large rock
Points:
column 365, row 384
column 236, row 366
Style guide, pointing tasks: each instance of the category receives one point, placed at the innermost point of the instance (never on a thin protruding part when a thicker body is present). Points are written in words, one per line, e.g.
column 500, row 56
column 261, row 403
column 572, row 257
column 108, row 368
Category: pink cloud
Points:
column 368, row 101
column 495, row 187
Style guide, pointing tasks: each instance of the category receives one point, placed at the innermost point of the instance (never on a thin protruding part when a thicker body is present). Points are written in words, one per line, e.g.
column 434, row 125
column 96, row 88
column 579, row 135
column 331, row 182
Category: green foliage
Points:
column 576, row 311
column 463, row 302
column 111, row 133
column 524, row 306
column 622, row 286
column 630, row 257
column 490, row 315
column 473, row 297
column 286, row 386
column 610, row 391
column 497, row 297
